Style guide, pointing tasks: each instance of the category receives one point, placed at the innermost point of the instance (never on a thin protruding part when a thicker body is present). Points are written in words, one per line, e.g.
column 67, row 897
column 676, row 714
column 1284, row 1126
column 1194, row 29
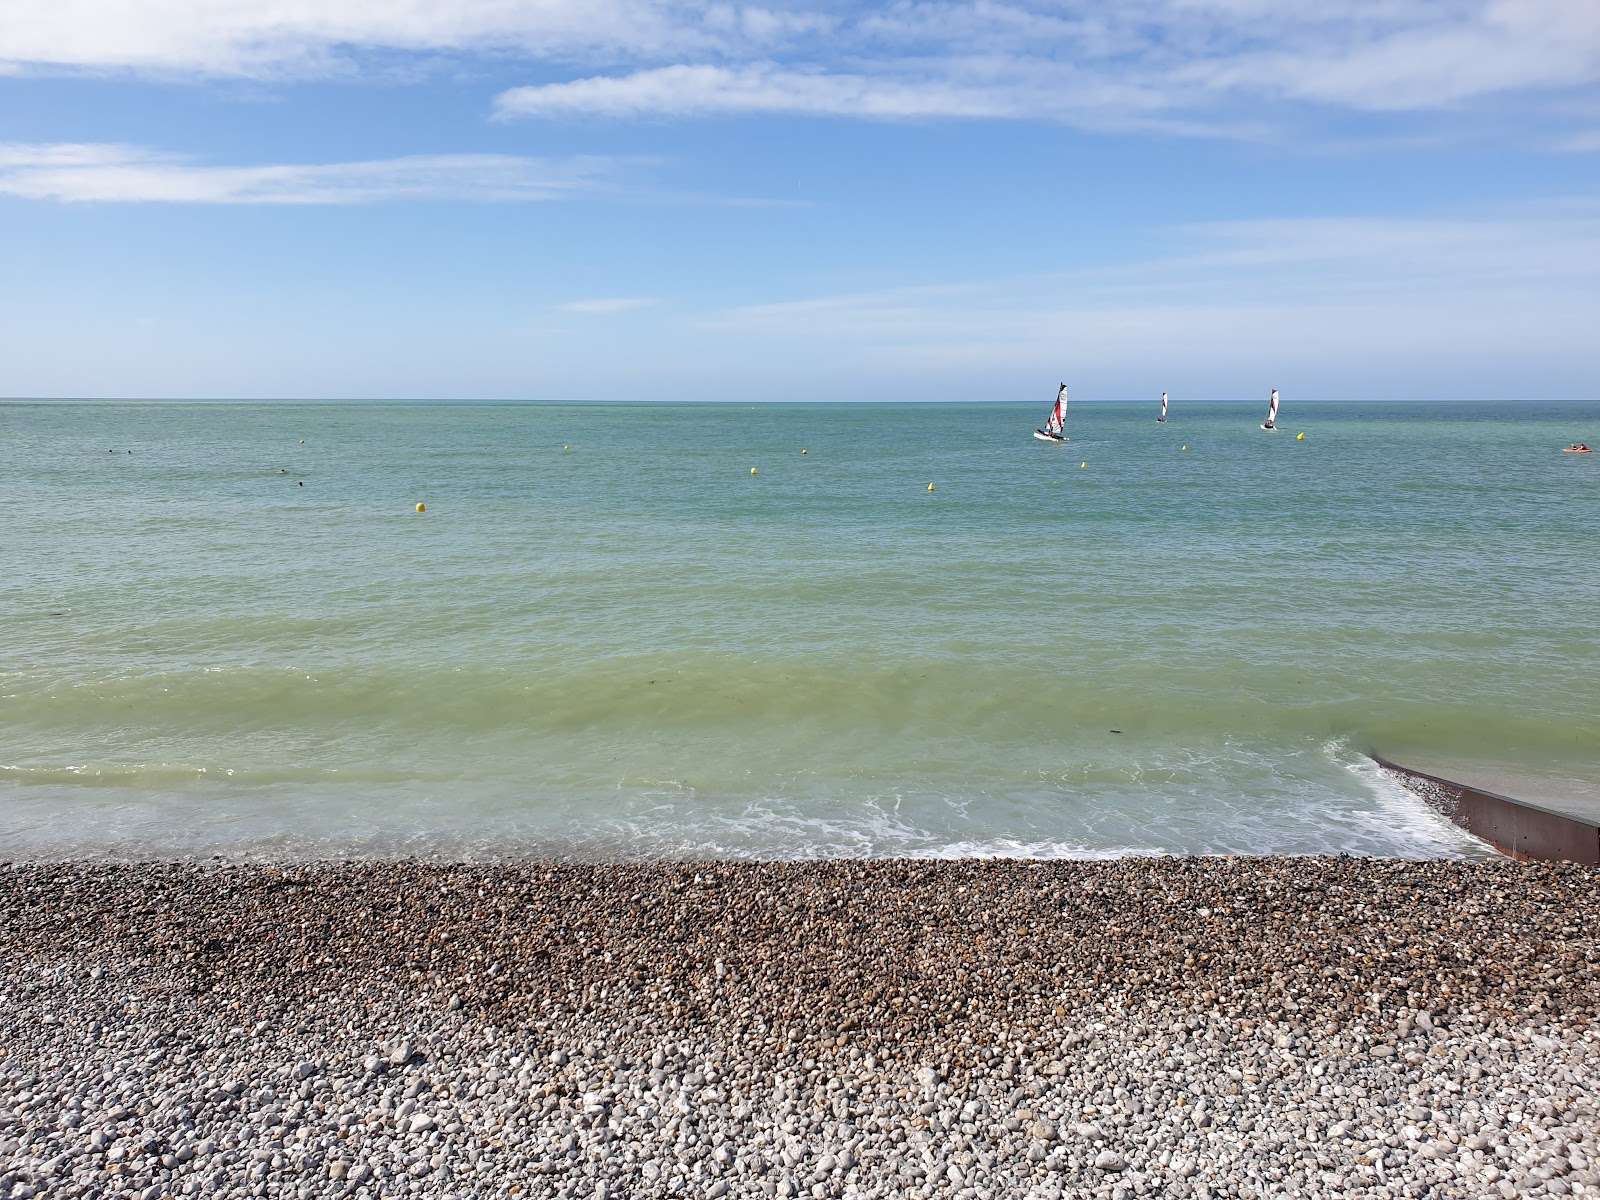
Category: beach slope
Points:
column 1179, row 1026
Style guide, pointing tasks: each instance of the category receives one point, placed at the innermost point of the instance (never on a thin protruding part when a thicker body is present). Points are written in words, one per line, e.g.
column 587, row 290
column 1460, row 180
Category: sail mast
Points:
column 1056, row 422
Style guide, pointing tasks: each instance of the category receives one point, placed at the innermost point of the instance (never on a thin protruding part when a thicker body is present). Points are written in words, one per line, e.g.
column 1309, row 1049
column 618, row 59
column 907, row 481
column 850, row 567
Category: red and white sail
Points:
column 1058, row 415
column 1272, row 408
column 1163, row 406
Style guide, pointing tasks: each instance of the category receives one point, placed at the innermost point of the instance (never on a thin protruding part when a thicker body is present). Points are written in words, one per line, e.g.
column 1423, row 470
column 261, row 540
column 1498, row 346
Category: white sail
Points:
column 1163, row 406
column 1058, row 415
column 1272, row 410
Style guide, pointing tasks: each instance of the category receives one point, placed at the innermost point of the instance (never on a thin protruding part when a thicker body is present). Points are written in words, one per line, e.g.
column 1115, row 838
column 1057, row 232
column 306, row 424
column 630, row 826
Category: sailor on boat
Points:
column 1053, row 428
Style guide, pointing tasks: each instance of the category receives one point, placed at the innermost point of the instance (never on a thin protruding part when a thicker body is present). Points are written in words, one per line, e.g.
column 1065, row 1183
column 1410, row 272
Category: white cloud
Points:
column 270, row 37
column 1187, row 66
column 700, row 90
column 1145, row 61
column 1078, row 60
column 970, row 91
column 1437, row 61
column 608, row 305
column 111, row 173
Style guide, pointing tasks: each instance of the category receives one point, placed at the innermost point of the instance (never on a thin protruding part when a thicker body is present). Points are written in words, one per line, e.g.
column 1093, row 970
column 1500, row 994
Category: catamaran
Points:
column 1272, row 412
column 1162, row 419
column 1052, row 431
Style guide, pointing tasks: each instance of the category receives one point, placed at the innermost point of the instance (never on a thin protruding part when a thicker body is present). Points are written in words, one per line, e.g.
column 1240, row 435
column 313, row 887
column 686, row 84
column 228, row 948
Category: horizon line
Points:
column 708, row 403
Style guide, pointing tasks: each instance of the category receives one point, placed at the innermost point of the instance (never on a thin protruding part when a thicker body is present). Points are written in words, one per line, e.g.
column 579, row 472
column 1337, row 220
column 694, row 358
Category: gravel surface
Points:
column 1168, row 1027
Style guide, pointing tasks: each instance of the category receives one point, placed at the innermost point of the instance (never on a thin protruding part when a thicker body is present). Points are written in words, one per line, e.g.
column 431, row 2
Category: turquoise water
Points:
column 634, row 647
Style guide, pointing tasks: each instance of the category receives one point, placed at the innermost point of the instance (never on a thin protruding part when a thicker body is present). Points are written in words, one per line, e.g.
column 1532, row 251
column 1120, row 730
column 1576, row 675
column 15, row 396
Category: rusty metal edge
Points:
column 1536, row 834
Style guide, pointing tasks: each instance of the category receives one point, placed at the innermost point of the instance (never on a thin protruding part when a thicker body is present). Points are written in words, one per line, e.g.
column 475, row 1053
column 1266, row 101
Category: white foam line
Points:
column 1406, row 813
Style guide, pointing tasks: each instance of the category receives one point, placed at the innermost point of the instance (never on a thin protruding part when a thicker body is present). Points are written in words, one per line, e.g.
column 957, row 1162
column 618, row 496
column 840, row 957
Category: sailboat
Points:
column 1052, row 431
column 1162, row 419
column 1272, row 412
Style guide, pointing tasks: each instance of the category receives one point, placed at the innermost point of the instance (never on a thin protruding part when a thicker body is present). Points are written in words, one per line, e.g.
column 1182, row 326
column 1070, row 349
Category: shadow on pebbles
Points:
column 1170, row 1027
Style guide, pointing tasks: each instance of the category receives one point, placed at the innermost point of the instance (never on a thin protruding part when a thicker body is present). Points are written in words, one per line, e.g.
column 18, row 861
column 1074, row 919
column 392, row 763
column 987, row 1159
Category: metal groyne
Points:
column 1518, row 829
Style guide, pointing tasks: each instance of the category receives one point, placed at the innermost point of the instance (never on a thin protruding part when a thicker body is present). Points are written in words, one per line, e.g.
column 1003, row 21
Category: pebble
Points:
column 1187, row 1027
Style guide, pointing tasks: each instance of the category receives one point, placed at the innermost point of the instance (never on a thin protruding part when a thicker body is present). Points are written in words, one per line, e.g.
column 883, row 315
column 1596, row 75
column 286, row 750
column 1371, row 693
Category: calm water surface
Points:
column 633, row 647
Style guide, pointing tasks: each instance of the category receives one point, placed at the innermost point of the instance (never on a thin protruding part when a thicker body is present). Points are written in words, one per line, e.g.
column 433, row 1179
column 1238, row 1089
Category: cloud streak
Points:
column 1435, row 61
column 264, row 38
column 764, row 88
column 1182, row 65
column 1332, row 297
column 1186, row 66
column 106, row 174
column 1075, row 61
column 608, row 306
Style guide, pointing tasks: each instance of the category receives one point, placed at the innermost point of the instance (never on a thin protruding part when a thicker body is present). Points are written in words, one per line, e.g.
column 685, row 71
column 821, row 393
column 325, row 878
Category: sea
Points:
column 784, row 631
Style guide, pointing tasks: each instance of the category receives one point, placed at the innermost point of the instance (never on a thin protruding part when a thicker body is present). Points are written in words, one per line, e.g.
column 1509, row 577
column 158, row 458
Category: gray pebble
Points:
column 916, row 1069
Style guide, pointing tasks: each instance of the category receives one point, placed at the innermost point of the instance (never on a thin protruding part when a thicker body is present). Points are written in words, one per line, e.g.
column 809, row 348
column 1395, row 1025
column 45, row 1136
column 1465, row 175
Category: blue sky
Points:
column 612, row 199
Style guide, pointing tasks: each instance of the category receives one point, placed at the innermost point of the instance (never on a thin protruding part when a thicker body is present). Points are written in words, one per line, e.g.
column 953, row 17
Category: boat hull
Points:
column 1045, row 437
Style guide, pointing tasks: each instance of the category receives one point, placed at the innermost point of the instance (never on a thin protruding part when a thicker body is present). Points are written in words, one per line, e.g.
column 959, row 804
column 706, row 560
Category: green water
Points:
column 635, row 647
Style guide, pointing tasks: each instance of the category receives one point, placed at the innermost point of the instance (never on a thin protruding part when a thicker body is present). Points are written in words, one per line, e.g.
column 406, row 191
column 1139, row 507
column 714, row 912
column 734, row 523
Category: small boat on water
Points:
column 1271, row 422
column 1162, row 419
column 1577, row 448
column 1053, row 428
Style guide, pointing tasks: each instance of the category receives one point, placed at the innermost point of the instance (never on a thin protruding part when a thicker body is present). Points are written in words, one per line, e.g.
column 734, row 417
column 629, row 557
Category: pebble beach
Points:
column 1198, row 1027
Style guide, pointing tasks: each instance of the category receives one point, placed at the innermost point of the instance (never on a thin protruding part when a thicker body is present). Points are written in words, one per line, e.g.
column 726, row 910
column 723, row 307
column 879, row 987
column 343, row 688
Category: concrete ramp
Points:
column 1514, row 827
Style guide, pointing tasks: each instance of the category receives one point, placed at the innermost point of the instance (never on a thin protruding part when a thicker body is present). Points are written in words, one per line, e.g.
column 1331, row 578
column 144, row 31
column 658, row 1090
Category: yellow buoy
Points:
column 1186, row 447
column 566, row 447
column 752, row 470
column 930, row 487
column 302, row 441
column 422, row 508
column 805, row 452
column 1082, row 465
column 1300, row 438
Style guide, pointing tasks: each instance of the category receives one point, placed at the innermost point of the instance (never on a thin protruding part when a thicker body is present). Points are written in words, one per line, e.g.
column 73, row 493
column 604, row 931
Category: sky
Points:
column 604, row 200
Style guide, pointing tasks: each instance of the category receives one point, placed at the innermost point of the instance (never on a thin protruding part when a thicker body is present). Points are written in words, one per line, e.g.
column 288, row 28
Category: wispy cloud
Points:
column 1173, row 63
column 974, row 90
column 609, row 305
column 1416, row 57
column 1079, row 61
column 1585, row 142
column 267, row 38
column 760, row 88
column 1333, row 295
column 100, row 173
